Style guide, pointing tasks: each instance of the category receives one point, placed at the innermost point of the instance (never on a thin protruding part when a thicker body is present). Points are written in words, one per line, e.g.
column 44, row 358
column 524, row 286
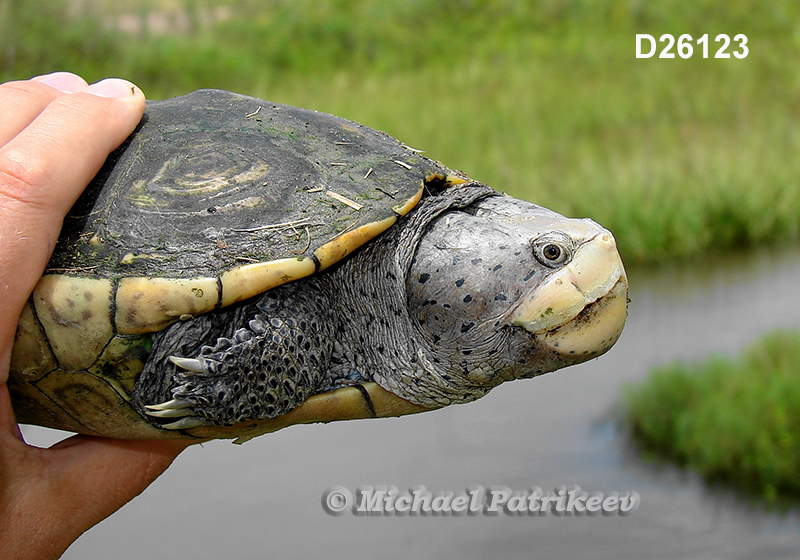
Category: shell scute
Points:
column 121, row 362
column 34, row 406
column 75, row 314
column 150, row 304
column 102, row 409
column 31, row 357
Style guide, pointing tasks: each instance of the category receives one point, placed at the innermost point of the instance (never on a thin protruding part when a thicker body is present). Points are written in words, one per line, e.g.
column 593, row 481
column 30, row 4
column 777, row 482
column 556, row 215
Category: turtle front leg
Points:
column 260, row 371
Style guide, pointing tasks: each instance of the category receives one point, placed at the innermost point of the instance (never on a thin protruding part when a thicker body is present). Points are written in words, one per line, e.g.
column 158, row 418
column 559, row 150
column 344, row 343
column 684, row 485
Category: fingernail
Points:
column 112, row 87
column 62, row 81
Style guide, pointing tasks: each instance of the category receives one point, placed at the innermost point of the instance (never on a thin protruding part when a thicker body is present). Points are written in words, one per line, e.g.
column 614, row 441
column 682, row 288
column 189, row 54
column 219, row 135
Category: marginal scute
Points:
column 150, row 304
column 31, row 358
column 122, row 360
column 32, row 406
column 75, row 314
column 245, row 281
column 349, row 241
column 102, row 410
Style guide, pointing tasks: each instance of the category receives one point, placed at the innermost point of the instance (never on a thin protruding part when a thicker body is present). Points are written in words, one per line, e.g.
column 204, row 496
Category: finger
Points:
column 56, row 494
column 66, row 82
column 9, row 429
column 43, row 154
column 96, row 476
column 90, row 479
column 71, row 486
column 43, row 169
column 22, row 101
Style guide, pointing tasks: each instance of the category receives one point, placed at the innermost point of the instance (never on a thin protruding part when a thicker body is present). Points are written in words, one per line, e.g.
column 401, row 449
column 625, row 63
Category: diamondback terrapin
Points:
column 232, row 270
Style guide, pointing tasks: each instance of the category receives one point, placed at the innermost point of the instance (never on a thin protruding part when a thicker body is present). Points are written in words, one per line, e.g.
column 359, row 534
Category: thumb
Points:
column 49, row 497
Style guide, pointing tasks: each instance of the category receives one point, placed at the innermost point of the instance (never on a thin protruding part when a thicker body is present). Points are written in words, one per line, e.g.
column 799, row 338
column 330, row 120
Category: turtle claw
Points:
column 174, row 404
column 186, row 424
column 190, row 364
column 190, row 393
column 169, row 413
column 176, row 408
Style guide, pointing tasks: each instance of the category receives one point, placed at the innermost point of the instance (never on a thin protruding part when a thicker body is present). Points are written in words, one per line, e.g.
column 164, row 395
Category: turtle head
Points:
column 505, row 289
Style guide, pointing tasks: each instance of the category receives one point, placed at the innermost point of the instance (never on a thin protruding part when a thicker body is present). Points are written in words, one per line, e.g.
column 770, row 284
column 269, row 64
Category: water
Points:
column 263, row 499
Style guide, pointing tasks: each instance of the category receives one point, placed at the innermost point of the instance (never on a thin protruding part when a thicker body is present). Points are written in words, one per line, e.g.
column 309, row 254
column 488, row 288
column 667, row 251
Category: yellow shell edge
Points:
column 248, row 280
column 30, row 358
column 406, row 207
column 349, row 241
column 75, row 315
column 150, row 304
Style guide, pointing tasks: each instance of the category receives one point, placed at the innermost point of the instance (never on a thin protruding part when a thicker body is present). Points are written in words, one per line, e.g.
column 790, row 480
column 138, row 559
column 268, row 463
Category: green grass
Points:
column 545, row 100
column 733, row 420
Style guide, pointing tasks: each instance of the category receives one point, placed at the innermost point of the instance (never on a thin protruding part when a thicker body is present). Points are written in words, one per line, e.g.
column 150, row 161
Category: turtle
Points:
column 238, row 266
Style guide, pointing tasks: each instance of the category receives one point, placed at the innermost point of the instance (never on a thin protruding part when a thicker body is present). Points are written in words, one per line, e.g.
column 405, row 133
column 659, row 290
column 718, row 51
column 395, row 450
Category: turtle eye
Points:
column 552, row 249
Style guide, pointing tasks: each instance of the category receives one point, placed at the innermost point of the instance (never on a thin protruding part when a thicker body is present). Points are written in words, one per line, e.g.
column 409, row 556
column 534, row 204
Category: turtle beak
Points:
column 581, row 309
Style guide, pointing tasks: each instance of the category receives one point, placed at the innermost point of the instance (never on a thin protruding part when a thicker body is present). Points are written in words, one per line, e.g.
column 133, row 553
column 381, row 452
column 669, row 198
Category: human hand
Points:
column 55, row 134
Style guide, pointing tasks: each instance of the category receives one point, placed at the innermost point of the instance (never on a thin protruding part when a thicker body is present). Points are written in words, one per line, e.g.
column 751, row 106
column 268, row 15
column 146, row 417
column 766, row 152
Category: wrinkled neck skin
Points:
column 427, row 307
column 378, row 335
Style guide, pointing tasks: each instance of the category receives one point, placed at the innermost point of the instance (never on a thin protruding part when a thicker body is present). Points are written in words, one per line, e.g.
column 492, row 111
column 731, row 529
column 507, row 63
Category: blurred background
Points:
column 691, row 163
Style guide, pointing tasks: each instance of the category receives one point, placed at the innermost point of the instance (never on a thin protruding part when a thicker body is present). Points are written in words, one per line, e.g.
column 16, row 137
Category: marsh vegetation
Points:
column 732, row 419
